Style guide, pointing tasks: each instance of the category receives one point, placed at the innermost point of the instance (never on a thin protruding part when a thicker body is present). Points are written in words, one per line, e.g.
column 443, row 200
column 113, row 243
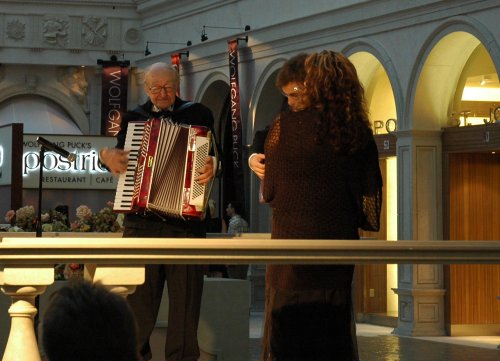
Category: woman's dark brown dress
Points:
column 314, row 194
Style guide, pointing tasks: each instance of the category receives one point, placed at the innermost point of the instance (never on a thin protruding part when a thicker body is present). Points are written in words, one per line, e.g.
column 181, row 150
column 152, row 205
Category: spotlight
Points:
column 204, row 36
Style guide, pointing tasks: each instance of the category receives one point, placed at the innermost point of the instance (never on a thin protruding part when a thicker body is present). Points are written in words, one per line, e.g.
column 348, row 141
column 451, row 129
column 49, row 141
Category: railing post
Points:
column 22, row 343
column 119, row 279
column 23, row 284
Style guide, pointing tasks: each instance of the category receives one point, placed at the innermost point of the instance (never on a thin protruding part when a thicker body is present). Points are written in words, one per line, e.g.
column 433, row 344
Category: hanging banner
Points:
column 113, row 98
column 236, row 126
column 175, row 58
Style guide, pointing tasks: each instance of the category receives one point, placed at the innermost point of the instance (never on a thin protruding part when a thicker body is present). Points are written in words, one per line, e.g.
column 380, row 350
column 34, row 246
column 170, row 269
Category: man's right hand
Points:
column 256, row 162
column 115, row 159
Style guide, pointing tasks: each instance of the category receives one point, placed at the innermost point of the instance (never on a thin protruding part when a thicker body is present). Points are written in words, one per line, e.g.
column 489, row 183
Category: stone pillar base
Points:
column 421, row 312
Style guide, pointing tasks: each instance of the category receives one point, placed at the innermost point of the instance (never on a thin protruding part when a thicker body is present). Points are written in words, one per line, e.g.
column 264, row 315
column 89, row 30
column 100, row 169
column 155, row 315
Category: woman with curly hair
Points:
column 322, row 181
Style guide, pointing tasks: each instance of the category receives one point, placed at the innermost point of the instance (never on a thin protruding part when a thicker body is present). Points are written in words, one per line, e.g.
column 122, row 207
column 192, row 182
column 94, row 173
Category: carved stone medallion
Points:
column 16, row 30
column 94, row 31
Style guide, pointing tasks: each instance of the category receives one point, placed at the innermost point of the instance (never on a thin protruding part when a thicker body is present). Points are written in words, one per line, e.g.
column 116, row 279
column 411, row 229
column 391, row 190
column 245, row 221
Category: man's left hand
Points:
column 206, row 173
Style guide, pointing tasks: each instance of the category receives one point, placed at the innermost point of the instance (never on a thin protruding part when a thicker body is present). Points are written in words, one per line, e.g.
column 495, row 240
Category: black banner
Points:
column 113, row 98
column 236, row 125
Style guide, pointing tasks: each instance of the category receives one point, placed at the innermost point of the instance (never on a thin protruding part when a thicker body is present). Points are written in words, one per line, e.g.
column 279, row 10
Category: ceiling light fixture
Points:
column 485, row 80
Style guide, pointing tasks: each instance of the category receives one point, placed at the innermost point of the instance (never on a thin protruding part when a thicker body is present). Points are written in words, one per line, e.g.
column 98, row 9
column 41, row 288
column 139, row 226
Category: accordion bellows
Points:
column 163, row 160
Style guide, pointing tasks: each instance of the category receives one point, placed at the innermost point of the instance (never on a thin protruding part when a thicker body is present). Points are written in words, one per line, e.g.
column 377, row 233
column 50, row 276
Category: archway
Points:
column 439, row 79
column 266, row 103
column 470, row 167
column 215, row 96
column 375, row 300
column 38, row 114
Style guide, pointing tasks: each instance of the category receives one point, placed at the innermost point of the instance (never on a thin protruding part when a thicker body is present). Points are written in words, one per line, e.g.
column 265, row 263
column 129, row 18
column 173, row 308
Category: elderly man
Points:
column 185, row 282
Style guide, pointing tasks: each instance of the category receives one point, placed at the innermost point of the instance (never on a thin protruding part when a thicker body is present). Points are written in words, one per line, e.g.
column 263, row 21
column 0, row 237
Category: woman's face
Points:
column 294, row 92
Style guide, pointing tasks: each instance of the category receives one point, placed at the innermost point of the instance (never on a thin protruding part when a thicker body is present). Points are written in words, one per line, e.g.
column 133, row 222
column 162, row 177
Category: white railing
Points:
column 118, row 263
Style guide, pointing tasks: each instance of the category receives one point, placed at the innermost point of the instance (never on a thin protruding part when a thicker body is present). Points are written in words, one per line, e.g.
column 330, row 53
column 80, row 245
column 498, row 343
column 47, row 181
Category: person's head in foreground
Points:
column 86, row 322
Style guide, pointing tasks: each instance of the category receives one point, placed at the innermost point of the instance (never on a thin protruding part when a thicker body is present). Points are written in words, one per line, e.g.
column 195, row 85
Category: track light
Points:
column 204, row 36
column 148, row 52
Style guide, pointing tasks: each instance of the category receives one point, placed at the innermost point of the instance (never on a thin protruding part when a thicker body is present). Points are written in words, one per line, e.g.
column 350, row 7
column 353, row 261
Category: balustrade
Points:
column 27, row 263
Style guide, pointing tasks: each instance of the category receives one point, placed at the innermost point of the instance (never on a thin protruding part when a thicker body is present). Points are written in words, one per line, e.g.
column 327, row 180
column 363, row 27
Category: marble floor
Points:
column 376, row 343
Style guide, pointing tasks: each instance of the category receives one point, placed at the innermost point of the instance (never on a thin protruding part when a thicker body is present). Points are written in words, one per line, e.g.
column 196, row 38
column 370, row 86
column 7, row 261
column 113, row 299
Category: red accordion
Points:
column 163, row 160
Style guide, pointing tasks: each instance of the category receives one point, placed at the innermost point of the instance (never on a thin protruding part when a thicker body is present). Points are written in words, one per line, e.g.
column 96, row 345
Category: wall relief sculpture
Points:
column 55, row 31
column 132, row 36
column 94, row 31
column 73, row 79
column 16, row 30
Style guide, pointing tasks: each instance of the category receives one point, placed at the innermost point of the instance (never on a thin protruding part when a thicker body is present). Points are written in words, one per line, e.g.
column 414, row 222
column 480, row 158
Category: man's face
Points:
column 161, row 88
column 230, row 210
column 293, row 91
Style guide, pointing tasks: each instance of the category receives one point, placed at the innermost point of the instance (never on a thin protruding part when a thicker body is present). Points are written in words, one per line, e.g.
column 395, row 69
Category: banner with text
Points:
column 113, row 98
column 236, row 126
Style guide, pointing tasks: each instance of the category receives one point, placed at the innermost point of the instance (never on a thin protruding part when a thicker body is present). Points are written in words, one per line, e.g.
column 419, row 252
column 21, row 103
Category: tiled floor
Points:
column 376, row 343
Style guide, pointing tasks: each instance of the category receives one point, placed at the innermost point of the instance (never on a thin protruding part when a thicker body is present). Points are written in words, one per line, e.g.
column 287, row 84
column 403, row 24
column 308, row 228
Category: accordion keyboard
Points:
column 125, row 186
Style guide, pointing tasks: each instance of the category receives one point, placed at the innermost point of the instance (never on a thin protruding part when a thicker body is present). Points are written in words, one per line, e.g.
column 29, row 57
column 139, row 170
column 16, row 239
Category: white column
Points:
column 420, row 287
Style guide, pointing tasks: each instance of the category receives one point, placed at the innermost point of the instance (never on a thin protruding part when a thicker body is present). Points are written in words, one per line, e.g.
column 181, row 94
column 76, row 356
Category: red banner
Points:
column 113, row 98
column 176, row 60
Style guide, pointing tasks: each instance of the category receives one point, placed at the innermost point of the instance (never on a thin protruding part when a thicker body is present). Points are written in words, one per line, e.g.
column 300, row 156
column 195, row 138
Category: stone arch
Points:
column 434, row 79
column 265, row 101
column 375, row 59
column 73, row 109
column 213, row 92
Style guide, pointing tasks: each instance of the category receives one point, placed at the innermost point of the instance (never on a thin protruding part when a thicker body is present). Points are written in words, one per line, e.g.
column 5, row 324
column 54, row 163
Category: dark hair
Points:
column 238, row 207
column 292, row 71
column 333, row 87
column 86, row 322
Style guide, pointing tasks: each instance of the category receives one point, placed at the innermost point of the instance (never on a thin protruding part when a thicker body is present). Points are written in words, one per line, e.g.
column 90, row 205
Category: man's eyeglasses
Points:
column 158, row 89
column 296, row 93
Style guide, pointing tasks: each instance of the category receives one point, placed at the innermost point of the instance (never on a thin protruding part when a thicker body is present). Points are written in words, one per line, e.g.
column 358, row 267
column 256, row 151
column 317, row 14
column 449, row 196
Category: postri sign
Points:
column 58, row 172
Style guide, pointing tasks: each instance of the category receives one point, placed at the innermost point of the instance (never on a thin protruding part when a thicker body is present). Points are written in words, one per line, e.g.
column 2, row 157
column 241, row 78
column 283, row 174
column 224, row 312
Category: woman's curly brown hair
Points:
column 333, row 87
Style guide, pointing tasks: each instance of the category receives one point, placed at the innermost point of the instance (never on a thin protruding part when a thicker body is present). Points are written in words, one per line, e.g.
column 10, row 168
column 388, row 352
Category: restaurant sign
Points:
column 85, row 172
